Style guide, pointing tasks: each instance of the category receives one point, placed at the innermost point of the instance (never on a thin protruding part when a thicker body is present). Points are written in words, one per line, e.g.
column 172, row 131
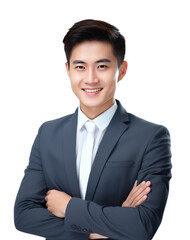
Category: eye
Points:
column 102, row 66
column 80, row 67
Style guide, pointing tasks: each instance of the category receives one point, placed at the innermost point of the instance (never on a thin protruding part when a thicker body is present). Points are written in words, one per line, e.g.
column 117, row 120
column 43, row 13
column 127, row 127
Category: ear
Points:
column 67, row 68
column 122, row 70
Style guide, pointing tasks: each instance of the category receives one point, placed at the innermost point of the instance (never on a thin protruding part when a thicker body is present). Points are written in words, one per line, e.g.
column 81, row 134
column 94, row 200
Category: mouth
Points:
column 95, row 90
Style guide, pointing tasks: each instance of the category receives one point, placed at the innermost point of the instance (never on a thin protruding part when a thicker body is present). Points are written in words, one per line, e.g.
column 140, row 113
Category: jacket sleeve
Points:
column 125, row 222
column 30, row 213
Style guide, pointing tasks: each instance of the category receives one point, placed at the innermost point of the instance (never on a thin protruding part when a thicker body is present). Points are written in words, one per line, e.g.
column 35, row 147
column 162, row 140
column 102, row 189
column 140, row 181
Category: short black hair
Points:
column 89, row 30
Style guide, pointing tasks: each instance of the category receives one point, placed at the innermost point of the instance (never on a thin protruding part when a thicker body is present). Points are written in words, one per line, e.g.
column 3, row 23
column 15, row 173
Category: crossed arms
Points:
column 57, row 201
column 137, row 218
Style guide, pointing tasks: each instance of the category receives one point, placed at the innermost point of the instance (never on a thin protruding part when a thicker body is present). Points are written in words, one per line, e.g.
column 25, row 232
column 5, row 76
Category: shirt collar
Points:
column 102, row 121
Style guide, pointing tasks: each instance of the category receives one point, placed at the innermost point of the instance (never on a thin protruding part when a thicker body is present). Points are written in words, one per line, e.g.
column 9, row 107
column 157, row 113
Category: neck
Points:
column 93, row 112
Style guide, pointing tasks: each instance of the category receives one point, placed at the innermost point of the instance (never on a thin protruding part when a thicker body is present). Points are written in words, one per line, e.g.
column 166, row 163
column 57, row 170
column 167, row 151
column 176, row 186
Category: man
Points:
column 90, row 172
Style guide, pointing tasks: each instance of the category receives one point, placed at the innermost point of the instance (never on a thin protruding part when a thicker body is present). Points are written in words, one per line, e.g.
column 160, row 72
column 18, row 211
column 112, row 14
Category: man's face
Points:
column 94, row 73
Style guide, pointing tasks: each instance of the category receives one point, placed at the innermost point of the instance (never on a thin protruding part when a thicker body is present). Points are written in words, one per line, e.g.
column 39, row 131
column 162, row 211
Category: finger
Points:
column 50, row 191
column 49, row 209
column 130, row 198
column 137, row 191
column 148, row 183
column 46, row 199
column 141, row 187
column 138, row 188
column 140, row 196
column 133, row 189
column 135, row 184
column 141, row 200
column 145, row 192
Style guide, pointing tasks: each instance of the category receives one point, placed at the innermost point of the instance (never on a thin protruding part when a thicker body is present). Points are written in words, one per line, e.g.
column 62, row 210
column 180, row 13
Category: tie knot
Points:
column 90, row 127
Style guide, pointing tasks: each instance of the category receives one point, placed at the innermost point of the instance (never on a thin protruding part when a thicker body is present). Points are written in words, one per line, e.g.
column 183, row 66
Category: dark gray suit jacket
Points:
column 131, row 149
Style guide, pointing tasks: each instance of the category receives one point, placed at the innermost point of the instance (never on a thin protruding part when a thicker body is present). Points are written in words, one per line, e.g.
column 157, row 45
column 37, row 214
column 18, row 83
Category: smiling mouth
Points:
column 92, row 90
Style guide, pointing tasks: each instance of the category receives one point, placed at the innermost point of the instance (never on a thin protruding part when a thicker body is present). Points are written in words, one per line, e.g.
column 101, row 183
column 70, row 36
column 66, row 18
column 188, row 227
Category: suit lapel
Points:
column 114, row 131
column 69, row 151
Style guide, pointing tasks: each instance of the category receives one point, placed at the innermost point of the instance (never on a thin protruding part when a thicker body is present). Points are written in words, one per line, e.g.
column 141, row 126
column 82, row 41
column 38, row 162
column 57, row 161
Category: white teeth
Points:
column 94, row 90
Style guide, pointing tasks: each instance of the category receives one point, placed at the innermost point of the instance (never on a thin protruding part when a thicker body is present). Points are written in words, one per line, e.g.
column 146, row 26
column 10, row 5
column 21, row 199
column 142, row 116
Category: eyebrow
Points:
column 103, row 60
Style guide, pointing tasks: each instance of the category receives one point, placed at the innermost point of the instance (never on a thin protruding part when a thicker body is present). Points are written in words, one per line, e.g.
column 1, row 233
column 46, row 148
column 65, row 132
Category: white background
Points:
column 34, row 86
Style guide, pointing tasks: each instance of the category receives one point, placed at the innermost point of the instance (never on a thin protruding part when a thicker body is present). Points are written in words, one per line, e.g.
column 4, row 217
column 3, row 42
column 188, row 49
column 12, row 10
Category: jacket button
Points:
column 73, row 226
column 79, row 228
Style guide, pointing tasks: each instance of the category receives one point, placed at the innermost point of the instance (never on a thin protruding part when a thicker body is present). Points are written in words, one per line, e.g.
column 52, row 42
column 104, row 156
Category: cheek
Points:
column 112, row 76
column 73, row 86
column 111, row 80
column 75, row 80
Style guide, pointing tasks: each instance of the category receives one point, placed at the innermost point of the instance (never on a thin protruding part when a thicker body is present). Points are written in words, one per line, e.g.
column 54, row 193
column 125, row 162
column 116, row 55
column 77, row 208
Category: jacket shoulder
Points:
column 54, row 124
column 57, row 121
column 143, row 125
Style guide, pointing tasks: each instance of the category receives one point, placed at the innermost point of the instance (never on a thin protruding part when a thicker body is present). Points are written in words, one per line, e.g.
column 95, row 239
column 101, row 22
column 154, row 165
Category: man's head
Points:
column 90, row 30
column 95, row 63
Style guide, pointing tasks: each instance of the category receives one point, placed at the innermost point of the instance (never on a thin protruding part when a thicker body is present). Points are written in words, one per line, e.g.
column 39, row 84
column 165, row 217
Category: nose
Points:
column 91, row 77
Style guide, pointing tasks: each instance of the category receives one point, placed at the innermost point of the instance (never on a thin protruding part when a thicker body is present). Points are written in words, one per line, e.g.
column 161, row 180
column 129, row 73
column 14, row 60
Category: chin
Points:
column 91, row 105
column 92, row 102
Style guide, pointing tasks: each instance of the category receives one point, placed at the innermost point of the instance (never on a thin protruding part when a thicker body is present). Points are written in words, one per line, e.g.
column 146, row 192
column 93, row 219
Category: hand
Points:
column 137, row 195
column 96, row 236
column 56, row 202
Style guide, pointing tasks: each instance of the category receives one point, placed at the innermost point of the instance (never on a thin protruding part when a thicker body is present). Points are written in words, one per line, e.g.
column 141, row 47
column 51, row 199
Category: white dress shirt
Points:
column 101, row 122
